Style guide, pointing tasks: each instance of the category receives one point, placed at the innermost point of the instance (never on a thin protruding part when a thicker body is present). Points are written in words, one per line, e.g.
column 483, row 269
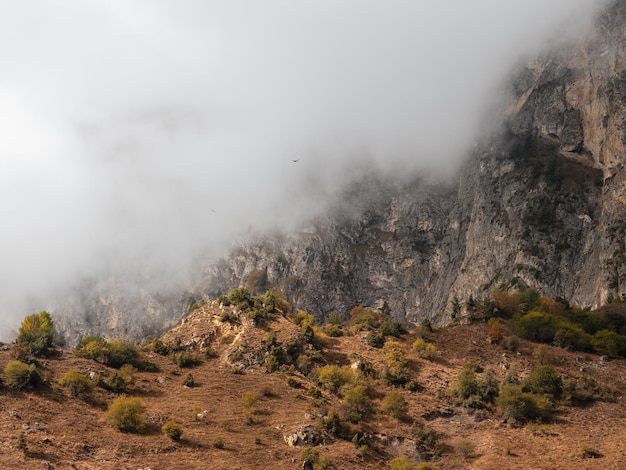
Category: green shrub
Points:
column 94, row 348
column 120, row 380
column 120, row 352
column 332, row 330
column 538, row 326
column 362, row 318
column 391, row 328
column 518, row 406
column 36, row 334
column 19, row 375
column 332, row 423
column 609, row 343
column 78, row 384
column 402, row 463
column 185, row 359
column 188, row 381
column 425, row 350
column 395, row 404
column 172, row 430
column 334, row 377
column 396, row 363
column 359, row 402
column 545, row 380
column 126, row 414
column 160, row 348
column 114, row 353
column 375, row 339
column 218, row 442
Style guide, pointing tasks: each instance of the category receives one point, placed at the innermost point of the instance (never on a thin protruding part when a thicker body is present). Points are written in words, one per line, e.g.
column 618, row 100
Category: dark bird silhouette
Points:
column 295, row 161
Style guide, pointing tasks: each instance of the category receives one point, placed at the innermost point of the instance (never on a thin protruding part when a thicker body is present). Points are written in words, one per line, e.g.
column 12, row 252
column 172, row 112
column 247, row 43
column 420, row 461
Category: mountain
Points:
column 539, row 203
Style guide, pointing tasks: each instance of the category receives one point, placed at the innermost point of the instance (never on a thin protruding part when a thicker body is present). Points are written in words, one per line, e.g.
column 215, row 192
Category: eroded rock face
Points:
column 540, row 204
column 306, row 436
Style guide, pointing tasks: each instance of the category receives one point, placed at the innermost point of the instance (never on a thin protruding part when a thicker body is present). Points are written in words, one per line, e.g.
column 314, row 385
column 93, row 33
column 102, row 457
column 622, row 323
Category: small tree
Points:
column 36, row 334
column 126, row 414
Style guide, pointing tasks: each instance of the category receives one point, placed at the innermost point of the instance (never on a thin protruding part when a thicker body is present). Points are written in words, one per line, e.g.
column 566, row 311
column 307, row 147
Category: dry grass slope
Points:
column 237, row 415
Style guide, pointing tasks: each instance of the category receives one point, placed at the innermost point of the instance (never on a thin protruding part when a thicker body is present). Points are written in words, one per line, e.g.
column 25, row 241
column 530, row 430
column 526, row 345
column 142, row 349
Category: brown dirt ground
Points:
column 74, row 434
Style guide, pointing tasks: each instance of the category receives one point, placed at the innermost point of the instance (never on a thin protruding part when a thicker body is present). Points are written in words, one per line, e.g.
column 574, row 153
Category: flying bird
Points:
column 295, row 161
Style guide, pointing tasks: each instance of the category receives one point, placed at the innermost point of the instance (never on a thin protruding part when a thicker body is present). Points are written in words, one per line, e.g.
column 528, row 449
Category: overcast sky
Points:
column 142, row 131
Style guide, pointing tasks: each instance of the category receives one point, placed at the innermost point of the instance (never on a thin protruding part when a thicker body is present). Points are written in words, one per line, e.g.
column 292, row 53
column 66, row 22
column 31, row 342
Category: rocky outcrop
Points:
column 541, row 204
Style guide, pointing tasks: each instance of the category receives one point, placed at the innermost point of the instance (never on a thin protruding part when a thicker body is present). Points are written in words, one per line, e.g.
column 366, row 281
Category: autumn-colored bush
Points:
column 19, row 375
column 395, row 404
column 172, row 430
column 78, row 384
column 126, row 414
column 36, row 334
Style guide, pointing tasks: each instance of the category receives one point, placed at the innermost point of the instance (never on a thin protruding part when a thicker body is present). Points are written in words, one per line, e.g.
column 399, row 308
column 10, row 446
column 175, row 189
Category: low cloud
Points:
column 140, row 134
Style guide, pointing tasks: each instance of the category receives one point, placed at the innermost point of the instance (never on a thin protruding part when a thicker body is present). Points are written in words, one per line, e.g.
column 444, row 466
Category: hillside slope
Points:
column 62, row 431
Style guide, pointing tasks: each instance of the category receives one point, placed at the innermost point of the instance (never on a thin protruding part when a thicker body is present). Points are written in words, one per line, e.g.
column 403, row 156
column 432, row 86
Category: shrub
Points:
column 402, row 463
column 391, row 328
column 466, row 384
column 120, row 352
column 119, row 380
column 240, row 298
column 586, row 452
column 332, row 423
column 425, row 350
column 538, row 326
column 518, row 406
column 114, row 353
column 19, row 374
column 77, row 383
column 363, row 319
column 126, row 414
column 332, row 330
column 357, row 398
column 36, row 334
column 427, row 438
column 545, row 379
column 334, row 377
column 609, row 343
column 218, row 442
column 395, row 404
column 303, row 319
column 184, row 359
column 159, row 347
column 396, row 363
column 94, row 348
column 496, row 332
column 188, row 381
column 247, row 401
column 172, row 430
column 375, row 338
column 465, row 447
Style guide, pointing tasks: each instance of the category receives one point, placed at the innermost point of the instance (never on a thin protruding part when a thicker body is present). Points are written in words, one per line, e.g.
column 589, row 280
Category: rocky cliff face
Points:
column 540, row 204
